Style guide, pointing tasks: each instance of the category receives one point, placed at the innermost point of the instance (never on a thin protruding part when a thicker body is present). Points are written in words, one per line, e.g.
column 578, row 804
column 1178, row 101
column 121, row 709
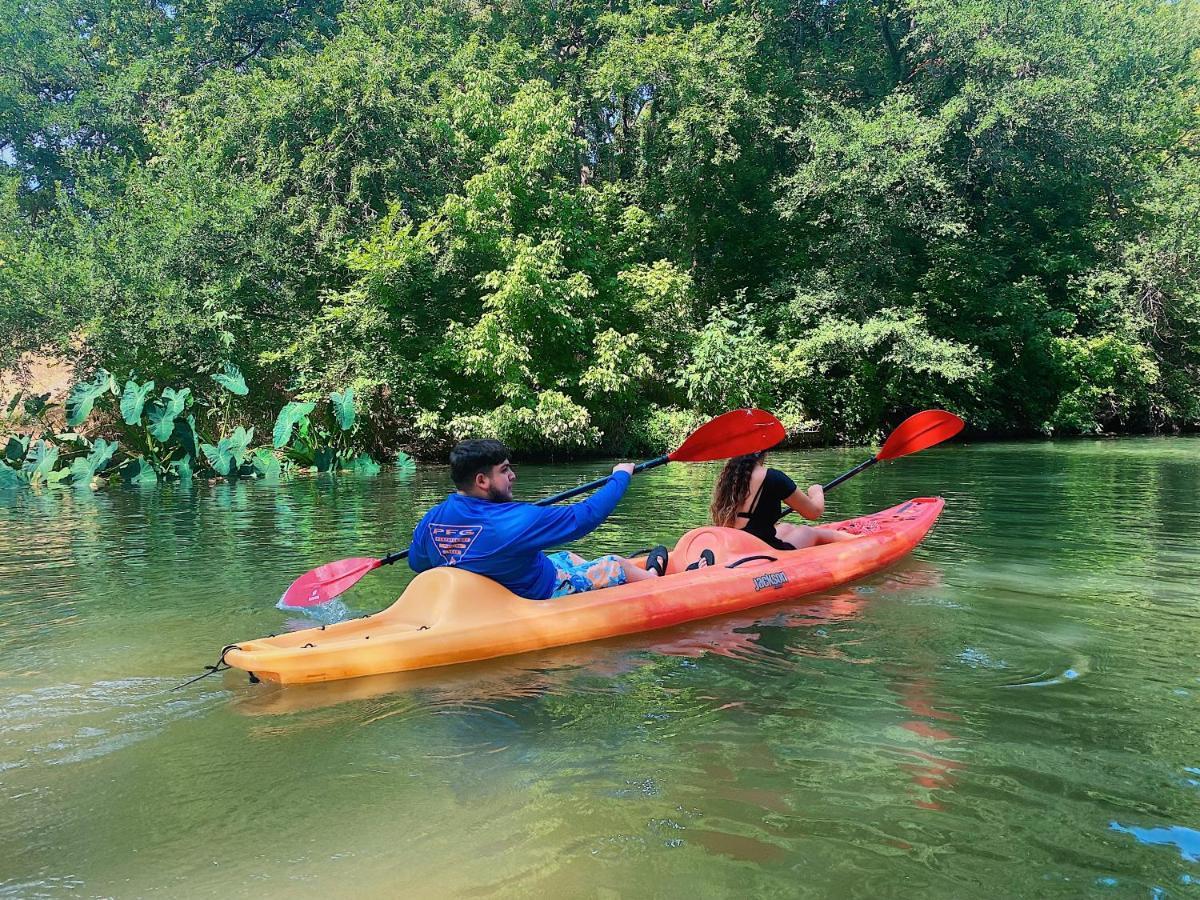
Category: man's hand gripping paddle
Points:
column 732, row 434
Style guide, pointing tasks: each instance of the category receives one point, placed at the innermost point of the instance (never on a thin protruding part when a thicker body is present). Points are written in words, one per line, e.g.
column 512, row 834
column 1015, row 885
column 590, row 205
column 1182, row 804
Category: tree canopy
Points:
column 578, row 225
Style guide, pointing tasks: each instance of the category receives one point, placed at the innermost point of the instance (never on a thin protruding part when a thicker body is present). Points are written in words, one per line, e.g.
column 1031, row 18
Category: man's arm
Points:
column 555, row 525
column 417, row 560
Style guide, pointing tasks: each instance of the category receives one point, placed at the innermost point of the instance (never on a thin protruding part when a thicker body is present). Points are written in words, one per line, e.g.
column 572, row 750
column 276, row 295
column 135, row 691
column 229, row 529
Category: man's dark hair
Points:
column 470, row 458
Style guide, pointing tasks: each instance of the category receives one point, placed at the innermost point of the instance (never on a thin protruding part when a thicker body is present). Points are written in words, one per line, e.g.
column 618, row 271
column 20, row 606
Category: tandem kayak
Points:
column 447, row 616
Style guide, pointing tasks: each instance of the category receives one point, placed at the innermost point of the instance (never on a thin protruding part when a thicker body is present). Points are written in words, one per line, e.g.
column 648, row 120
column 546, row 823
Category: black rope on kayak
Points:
column 746, row 559
column 221, row 666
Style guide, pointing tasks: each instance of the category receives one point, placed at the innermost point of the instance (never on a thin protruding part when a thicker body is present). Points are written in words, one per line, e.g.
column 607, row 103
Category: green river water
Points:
column 1014, row 710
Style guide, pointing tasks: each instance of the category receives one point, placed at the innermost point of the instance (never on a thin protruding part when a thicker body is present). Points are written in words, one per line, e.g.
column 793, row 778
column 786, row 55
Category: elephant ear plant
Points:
column 325, row 443
column 160, row 437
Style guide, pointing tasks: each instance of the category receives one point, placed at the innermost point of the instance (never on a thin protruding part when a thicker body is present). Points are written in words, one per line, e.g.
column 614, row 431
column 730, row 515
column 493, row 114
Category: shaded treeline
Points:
column 583, row 225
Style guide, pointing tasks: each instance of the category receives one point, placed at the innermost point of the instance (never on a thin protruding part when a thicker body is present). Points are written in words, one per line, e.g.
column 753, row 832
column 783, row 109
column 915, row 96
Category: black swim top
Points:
column 765, row 510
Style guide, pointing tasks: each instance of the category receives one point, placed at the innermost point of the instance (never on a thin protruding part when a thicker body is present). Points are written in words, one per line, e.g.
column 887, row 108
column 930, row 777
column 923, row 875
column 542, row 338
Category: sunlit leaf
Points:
column 289, row 416
column 83, row 396
column 183, row 469
column 227, row 455
column 84, row 468
column 266, row 464
column 40, row 460
column 231, row 379
column 139, row 471
column 363, row 465
column 164, row 413
column 133, row 400
column 343, row 408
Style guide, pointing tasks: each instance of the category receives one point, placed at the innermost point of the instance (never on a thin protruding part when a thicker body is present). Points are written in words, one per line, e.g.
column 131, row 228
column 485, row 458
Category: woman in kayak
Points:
column 747, row 496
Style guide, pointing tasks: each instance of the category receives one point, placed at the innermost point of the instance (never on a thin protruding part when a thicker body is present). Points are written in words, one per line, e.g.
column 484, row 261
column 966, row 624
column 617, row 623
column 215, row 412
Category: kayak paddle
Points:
column 918, row 432
column 731, row 434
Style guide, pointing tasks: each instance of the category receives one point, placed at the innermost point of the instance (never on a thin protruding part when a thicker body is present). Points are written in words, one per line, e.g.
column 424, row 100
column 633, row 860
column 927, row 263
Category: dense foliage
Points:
column 141, row 435
column 578, row 225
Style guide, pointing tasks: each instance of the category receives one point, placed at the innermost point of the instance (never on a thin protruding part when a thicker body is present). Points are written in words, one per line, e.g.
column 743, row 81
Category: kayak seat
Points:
column 728, row 545
column 447, row 597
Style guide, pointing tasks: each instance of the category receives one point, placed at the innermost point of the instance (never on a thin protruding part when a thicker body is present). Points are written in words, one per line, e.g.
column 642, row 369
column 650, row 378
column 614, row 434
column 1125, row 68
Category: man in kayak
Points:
column 481, row 528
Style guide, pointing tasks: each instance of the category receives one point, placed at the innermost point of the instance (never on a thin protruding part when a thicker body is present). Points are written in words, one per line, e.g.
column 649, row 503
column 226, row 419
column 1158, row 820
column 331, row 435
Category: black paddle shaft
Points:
column 592, row 485
column 845, row 476
column 565, row 495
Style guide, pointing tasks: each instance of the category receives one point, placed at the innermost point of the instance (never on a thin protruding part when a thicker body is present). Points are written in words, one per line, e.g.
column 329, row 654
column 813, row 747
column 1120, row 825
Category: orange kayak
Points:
column 448, row 616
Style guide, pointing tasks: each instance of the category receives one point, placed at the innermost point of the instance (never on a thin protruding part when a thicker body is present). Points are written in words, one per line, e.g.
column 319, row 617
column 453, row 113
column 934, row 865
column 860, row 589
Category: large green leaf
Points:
column 10, row 477
column 227, row 456
column 240, row 441
column 185, row 436
column 39, row 462
column 183, row 469
column 363, row 465
column 323, row 459
column 16, row 448
column 404, row 463
column 133, row 400
column 343, row 408
column 291, row 414
column 164, row 413
column 12, row 404
column 139, row 471
column 83, row 397
column 231, row 379
column 218, row 457
column 83, row 468
column 266, row 464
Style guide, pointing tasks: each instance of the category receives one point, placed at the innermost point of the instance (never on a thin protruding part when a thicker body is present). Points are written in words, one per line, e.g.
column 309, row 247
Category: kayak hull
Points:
column 448, row 616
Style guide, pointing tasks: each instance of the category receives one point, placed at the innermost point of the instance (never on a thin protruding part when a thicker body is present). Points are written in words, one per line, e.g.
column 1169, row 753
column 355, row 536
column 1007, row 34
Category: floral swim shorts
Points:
column 576, row 574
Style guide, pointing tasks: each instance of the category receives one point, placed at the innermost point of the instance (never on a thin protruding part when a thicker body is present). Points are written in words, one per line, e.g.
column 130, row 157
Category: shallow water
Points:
column 1012, row 711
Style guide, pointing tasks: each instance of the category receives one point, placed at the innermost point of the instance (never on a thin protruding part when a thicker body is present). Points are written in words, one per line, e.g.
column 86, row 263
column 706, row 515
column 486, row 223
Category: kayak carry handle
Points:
column 746, row 559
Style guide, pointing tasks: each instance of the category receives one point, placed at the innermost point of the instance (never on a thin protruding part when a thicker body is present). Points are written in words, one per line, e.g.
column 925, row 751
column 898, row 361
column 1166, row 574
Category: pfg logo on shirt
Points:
column 453, row 541
column 770, row 580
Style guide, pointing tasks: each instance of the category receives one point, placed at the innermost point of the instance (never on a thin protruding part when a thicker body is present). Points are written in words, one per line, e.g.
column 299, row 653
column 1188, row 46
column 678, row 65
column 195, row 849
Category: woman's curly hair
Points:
column 733, row 484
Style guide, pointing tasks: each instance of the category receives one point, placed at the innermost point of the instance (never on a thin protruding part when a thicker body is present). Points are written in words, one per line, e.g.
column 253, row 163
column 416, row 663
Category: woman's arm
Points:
column 810, row 505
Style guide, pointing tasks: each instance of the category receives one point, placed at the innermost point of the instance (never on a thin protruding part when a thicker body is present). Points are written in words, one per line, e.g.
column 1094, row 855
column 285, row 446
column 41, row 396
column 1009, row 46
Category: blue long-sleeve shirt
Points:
column 504, row 541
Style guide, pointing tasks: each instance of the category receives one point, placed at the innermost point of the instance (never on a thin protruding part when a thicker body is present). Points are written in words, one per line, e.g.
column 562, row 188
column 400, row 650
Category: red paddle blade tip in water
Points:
column 918, row 431
column 735, row 433
column 326, row 582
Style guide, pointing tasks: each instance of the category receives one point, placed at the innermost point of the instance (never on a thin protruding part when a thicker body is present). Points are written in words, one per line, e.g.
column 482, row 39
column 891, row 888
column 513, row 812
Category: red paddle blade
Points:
column 732, row 434
column 325, row 582
column 924, row 429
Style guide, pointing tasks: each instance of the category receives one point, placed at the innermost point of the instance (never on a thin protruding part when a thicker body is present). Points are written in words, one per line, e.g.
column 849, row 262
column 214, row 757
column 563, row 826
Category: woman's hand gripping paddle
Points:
column 918, row 432
column 732, row 434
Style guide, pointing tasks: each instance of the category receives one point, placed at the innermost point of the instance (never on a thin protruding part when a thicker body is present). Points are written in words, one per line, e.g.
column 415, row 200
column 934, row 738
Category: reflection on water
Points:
column 1010, row 711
